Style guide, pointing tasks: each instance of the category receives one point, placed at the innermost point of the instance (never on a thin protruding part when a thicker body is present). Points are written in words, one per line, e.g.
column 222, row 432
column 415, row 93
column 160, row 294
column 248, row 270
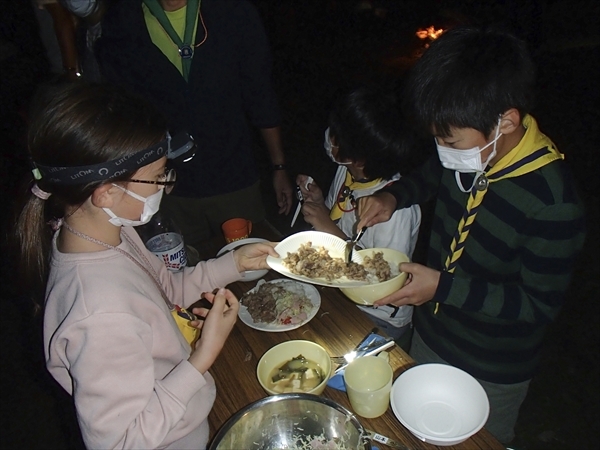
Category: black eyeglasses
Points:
column 167, row 180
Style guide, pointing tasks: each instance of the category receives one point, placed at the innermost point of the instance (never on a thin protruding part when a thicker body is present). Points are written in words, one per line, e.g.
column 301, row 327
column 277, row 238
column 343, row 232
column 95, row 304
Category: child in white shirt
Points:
column 368, row 140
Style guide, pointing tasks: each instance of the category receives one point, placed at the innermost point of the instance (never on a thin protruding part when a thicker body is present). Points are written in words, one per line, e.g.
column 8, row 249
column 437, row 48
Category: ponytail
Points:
column 33, row 237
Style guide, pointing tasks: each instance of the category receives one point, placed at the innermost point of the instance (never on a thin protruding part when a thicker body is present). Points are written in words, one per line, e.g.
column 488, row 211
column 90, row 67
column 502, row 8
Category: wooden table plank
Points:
column 338, row 327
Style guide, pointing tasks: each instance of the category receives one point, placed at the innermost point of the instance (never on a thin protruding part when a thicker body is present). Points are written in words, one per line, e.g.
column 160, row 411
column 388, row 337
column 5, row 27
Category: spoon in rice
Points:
column 351, row 243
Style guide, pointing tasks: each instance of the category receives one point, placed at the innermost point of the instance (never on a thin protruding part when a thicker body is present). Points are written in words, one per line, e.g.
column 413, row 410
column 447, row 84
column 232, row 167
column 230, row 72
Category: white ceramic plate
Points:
column 235, row 244
column 333, row 244
column 248, row 275
column 310, row 291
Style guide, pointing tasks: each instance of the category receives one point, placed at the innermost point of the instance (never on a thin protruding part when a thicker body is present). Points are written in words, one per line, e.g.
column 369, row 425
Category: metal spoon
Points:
column 359, row 347
column 351, row 356
column 351, row 243
column 387, row 344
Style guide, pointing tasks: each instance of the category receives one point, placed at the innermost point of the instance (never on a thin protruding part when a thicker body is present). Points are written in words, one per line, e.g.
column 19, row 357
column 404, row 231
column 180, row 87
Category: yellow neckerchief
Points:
column 344, row 200
column 182, row 318
column 535, row 150
column 161, row 39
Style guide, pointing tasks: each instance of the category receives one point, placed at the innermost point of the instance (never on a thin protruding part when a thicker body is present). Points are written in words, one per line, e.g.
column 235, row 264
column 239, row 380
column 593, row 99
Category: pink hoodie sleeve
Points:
column 185, row 287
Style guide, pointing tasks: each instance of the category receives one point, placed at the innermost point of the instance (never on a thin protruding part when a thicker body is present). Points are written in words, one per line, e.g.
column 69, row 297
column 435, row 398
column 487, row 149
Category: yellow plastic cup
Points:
column 368, row 384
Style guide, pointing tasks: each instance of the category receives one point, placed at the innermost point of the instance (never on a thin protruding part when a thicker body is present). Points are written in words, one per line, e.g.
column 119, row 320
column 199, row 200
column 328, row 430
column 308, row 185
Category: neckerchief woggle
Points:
column 186, row 47
column 517, row 162
column 350, row 185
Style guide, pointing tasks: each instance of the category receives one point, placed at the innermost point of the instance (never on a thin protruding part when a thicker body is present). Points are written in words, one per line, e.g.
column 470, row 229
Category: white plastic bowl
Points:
column 248, row 275
column 439, row 404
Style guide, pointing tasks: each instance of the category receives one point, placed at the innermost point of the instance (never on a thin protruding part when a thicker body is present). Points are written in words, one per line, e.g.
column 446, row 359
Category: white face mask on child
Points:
column 467, row 161
column 329, row 150
column 151, row 205
column 81, row 8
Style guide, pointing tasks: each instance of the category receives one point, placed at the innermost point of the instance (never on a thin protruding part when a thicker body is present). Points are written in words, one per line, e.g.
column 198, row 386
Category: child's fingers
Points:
column 272, row 251
column 232, row 305
column 232, row 300
column 266, row 248
column 197, row 324
column 210, row 296
column 203, row 302
column 201, row 312
column 225, row 300
column 301, row 179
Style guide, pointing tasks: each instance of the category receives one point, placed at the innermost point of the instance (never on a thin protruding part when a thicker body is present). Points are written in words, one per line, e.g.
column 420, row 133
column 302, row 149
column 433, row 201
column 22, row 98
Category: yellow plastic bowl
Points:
column 369, row 294
column 281, row 353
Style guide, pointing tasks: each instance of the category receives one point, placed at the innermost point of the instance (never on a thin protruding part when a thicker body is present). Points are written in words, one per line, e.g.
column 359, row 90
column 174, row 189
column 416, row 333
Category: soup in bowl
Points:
column 294, row 367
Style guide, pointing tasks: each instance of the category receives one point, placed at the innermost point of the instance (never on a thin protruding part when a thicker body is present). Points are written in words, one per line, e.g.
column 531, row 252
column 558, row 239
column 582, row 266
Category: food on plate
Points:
column 277, row 303
column 296, row 375
column 314, row 262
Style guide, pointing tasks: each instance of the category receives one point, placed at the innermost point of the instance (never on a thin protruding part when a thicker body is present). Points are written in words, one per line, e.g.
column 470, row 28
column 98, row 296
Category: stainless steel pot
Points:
column 287, row 421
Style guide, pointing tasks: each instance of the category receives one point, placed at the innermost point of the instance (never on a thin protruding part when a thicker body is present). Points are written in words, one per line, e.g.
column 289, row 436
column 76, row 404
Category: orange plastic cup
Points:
column 236, row 229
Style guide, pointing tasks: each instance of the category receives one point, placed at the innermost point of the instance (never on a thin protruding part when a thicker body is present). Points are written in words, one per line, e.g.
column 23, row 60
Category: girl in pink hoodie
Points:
column 111, row 309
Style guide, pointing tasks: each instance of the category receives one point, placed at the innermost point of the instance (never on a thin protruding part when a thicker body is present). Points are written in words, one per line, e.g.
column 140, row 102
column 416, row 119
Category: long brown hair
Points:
column 76, row 125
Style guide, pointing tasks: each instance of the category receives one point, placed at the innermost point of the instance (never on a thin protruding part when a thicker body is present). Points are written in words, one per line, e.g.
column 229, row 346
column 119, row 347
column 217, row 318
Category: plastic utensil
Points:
column 300, row 200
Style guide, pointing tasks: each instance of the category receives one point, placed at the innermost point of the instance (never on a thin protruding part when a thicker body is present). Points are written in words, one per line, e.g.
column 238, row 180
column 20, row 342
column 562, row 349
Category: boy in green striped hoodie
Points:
column 508, row 223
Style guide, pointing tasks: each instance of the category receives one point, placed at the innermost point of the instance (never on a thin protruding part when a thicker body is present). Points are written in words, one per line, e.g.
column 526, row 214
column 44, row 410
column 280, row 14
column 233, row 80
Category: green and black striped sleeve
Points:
column 512, row 276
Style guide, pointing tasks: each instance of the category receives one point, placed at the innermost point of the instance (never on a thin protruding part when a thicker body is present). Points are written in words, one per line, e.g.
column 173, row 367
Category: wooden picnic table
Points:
column 338, row 326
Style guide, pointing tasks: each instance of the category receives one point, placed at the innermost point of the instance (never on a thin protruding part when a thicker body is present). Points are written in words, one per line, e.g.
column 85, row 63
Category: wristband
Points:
column 279, row 167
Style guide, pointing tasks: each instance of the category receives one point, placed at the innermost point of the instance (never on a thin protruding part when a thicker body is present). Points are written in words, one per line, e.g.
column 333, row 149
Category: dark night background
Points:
column 320, row 46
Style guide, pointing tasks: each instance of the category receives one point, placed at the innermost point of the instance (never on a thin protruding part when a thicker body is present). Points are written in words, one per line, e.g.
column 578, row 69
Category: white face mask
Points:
column 329, row 150
column 467, row 161
column 151, row 205
column 81, row 8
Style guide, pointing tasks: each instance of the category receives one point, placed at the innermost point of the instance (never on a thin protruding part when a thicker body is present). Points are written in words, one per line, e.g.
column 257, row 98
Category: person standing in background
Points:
column 57, row 30
column 207, row 66
column 89, row 29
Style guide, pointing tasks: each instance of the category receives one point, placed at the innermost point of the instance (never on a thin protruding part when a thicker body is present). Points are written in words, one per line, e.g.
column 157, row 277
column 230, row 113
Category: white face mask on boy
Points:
column 329, row 150
column 151, row 205
column 467, row 161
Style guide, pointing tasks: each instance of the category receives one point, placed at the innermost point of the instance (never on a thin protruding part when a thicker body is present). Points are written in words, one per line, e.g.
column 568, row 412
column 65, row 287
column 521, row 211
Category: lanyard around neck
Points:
column 186, row 48
column 346, row 195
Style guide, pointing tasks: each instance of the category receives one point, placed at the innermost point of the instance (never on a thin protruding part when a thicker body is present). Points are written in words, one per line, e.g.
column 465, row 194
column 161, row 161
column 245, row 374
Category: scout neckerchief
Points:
column 517, row 162
column 345, row 201
column 186, row 49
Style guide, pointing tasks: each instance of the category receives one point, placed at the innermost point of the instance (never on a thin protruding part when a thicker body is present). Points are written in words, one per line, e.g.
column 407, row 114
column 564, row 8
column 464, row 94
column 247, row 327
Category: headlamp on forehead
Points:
column 180, row 148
